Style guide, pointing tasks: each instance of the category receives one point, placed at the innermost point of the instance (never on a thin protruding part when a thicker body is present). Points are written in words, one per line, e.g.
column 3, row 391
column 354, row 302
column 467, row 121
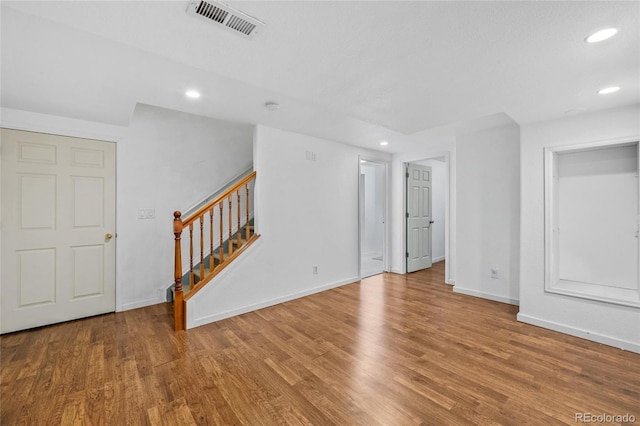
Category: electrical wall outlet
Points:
column 494, row 273
column 315, row 269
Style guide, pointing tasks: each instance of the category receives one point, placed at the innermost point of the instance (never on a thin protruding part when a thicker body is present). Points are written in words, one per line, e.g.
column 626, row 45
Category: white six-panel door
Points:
column 419, row 217
column 58, row 229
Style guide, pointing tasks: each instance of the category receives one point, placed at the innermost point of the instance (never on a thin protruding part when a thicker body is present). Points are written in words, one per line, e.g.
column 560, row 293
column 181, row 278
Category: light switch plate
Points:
column 146, row 214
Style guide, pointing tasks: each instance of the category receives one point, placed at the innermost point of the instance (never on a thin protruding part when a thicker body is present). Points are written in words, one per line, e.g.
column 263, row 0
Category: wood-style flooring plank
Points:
column 389, row 350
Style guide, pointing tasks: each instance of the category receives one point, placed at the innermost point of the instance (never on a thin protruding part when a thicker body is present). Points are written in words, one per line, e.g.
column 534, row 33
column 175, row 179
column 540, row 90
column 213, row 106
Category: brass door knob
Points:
column 108, row 236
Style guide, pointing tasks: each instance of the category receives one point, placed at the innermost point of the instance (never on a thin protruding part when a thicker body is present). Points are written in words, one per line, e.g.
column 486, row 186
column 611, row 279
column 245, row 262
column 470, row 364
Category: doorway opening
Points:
column 59, row 212
column 440, row 214
column 372, row 217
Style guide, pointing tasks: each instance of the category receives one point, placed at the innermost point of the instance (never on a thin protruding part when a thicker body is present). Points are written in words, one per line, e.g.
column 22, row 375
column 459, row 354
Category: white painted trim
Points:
column 57, row 125
column 196, row 322
column 577, row 332
column 397, row 271
column 447, row 209
column 438, row 259
column 450, row 282
column 484, row 295
column 140, row 304
column 551, row 274
column 595, row 144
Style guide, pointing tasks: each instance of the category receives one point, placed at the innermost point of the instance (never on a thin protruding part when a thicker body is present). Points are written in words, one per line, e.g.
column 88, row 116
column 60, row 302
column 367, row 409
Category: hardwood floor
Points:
column 391, row 350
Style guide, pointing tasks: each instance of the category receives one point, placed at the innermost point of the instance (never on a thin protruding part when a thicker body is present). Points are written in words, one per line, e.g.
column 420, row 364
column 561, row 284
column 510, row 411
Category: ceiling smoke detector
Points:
column 226, row 17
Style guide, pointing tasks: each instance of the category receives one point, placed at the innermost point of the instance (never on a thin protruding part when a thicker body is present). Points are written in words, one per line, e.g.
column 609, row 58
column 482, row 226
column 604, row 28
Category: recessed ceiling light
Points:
column 601, row 35
column 384, row 143
column 193, row 94
column 608, row 90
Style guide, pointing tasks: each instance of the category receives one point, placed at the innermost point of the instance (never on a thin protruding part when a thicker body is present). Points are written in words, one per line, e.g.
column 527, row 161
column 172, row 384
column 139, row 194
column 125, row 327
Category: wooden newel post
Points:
column 178, row 301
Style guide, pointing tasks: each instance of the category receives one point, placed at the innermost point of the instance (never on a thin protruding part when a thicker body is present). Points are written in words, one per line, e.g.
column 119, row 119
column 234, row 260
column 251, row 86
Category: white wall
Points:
column 488, row 203
column 168, row 161
column 599, row 321
column 429, row 147
column 306, row 214
column 598, row 216
column 438, row 183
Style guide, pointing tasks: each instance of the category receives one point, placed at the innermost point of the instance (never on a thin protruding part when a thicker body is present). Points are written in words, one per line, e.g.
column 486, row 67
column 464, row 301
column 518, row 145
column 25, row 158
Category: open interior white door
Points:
column 58, row 229
column 419, row 217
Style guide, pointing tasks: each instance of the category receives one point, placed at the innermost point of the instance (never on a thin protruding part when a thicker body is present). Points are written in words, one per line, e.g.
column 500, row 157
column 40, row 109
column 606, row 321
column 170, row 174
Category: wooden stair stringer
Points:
column 227, row 261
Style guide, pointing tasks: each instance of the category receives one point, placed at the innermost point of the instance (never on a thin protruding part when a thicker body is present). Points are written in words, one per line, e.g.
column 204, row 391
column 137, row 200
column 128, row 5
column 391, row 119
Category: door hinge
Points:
column 407, row 254
column 407, row 175
column 407, row 214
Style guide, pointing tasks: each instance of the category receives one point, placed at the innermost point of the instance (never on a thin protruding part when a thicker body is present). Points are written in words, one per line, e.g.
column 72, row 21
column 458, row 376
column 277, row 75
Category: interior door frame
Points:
column 68, row 127
column 385, row 234
column 60, row 306
column 447, row 210
column 408, row 215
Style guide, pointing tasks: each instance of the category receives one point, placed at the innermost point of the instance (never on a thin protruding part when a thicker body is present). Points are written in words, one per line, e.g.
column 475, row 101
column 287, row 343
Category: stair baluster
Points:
column 191, row 276
column 201, row 247
column 221, row 236
column 230, row 225
column 239, row 228
column 246, row 226
column 211, row 262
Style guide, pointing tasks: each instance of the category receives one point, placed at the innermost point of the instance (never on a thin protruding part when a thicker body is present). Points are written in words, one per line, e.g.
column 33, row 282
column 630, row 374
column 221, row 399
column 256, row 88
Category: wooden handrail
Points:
column 219, row 198
column 244, row 238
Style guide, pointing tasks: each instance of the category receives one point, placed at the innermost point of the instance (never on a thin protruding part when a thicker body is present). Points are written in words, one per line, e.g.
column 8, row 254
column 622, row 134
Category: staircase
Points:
column 198, row 275
column 224, row 228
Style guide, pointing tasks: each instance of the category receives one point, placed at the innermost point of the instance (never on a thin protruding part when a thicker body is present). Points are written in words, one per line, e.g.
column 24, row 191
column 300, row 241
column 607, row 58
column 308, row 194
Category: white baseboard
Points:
column 577, row 332
column 196, row 322
column 397, row 271
column 484, row 295
column 140, row 304
column 437, row 259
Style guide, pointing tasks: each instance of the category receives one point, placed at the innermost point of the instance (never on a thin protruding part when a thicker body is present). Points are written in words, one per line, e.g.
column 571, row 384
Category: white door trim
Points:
column 447, row 210
column 63, row 160
column 72, row 127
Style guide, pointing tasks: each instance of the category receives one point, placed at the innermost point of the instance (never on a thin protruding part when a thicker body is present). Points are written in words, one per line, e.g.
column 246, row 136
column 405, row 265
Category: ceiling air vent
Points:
column 226, row 17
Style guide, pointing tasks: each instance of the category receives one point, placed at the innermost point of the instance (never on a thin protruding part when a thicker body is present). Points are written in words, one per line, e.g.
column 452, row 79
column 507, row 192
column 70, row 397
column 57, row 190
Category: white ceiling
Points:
column 357, row 71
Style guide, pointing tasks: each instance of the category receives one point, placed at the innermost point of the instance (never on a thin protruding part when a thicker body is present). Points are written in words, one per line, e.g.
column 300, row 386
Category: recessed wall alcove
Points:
column 591, row 221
